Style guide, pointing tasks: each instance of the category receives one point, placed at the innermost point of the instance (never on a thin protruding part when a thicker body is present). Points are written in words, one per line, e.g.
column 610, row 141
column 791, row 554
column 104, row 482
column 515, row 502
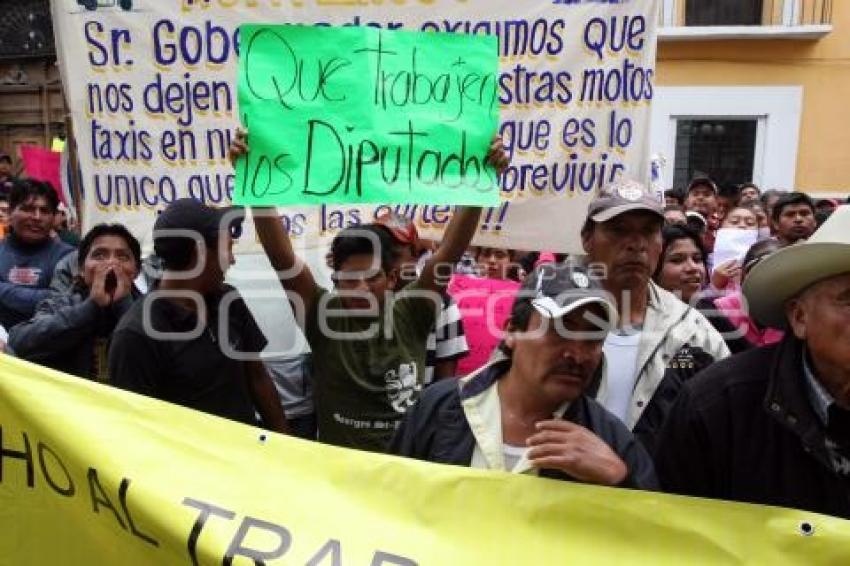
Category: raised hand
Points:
column 238, row 147
column 497, row 156
column 98, row 292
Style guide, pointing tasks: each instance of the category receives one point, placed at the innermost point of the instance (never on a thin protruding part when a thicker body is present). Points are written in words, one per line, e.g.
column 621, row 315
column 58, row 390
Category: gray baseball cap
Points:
column 556, row 290
column 191, row 216
column 620, row 197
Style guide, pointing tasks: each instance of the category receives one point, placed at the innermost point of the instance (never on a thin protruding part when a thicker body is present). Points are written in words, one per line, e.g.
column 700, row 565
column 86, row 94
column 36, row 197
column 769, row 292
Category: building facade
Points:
column 754, row 90
column 32, row 109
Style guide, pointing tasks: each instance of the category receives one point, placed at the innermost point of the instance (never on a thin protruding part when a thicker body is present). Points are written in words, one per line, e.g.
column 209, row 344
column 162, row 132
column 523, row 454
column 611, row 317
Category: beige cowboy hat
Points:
column 790, row 271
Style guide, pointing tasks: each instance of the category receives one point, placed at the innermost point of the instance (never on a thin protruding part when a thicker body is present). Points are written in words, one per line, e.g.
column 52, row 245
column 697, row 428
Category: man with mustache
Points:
column 660, row 341
column 29, row 254
column 526, row 411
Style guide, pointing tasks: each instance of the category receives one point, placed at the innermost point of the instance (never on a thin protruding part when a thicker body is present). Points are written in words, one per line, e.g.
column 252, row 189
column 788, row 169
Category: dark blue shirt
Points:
column 25, row 274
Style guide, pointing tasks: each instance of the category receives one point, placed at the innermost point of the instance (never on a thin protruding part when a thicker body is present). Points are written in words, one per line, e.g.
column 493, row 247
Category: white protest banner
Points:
column 152, row 89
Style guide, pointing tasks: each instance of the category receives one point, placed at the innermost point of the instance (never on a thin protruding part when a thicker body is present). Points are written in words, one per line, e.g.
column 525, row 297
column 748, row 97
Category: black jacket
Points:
column 734, row 338
column 745, row 430
column 676, row 343
column 436, row 429
column 63, row 333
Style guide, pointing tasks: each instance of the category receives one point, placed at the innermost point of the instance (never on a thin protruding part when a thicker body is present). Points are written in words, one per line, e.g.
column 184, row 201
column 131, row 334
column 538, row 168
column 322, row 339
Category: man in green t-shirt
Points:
column 368, row 342
column 368, row 355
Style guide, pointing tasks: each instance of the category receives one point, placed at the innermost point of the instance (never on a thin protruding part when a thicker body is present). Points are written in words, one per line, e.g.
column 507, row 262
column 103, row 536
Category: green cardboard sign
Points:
column 362, row 115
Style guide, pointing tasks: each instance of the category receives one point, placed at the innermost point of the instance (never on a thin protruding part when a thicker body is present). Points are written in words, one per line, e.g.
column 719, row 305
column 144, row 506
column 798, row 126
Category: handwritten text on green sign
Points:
column 366, row 115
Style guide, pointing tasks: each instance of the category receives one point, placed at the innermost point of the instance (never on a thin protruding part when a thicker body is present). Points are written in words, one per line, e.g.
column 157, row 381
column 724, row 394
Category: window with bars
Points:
column 25, row 29
column 723, row 149
column 724, row 12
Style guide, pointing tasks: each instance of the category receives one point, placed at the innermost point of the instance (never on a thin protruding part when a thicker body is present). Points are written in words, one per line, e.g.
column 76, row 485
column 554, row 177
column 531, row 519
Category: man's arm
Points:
column 59, row 325
column 20, row 298
column 265, row 397
column 641, row 468
column 293, row 273
column 55, row 329
column 64, row 272
column 683, row 452
column 458, row 235
column 460, row 230
column 444, row 369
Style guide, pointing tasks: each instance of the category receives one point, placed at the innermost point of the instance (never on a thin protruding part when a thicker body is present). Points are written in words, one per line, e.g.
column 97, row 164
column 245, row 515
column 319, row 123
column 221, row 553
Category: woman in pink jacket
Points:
column 734, row 307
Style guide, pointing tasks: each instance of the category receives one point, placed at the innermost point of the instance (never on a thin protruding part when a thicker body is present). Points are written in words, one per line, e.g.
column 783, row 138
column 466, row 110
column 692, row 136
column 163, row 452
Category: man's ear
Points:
column 194, row 257
column 407, row 272
column 510, row 335
column 587, row 241
column 393, row 278
column 797, row 317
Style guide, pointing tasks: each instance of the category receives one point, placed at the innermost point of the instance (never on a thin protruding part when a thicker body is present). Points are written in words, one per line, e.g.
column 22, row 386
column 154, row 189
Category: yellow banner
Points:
column 93, row 475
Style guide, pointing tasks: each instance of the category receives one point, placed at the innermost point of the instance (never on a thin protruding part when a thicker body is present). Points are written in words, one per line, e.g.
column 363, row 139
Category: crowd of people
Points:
column 699, row 346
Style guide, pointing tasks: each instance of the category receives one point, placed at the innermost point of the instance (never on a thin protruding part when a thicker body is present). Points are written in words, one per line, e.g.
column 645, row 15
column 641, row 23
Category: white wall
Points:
column 777, row 109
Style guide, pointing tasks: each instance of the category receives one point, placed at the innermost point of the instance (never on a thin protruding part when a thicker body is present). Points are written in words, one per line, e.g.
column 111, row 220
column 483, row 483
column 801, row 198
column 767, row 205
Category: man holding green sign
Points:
column 368, row 343
column 366, row 116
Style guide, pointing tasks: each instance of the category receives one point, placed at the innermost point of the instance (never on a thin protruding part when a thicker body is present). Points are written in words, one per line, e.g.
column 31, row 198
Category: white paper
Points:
column 733, row 244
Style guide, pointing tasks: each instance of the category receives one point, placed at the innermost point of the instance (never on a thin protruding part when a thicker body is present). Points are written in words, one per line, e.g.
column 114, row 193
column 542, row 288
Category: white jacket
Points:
column 677, row 342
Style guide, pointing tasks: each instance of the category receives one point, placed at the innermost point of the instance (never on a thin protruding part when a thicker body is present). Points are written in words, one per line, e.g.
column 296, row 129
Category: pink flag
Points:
column 43, row 165
column 485, row 305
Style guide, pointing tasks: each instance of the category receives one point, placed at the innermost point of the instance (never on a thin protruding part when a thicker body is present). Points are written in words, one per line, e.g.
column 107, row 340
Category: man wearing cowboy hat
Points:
column 772, row 425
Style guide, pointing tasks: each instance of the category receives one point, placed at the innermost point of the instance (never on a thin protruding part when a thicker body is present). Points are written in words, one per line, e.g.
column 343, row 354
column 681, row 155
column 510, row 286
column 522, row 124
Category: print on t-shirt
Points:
column 403, row 387
column 25, row 276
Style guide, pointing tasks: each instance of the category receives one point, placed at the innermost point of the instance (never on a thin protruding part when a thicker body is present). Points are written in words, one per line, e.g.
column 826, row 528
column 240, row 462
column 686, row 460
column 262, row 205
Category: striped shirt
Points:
column 447, row 340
